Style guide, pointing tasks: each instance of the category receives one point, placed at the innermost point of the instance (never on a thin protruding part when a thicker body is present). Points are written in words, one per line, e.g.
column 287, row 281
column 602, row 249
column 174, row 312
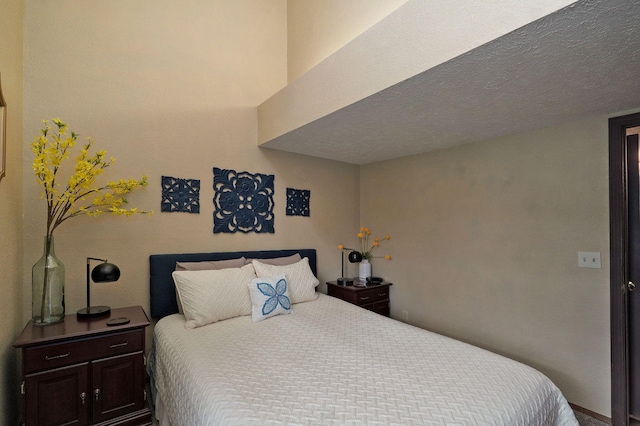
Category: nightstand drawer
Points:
column 372, row 295
column 72, row 352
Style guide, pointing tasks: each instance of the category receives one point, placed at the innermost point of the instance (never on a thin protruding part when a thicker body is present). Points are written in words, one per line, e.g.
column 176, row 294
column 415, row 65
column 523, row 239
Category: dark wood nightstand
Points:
column 84, row 372
column 372, row 297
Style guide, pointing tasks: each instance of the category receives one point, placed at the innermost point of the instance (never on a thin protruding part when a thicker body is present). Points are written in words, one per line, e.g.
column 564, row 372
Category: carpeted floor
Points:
column 585, row 420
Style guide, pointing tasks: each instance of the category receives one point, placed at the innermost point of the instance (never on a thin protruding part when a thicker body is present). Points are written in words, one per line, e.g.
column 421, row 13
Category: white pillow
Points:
column 269, row 297
column 302, row 282
column 214, row 295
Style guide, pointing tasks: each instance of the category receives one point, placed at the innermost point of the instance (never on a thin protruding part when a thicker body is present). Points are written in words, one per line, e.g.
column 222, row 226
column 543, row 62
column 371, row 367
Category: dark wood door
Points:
column 118, row 386
column 633, row 295
column 58, row 397
column 625, row 327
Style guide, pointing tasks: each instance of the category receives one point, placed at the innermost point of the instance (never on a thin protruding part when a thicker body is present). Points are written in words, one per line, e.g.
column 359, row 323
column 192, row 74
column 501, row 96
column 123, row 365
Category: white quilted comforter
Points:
column 330, row 362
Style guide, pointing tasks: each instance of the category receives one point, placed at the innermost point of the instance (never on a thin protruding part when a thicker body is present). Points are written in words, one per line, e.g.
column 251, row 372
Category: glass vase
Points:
column 47, row 285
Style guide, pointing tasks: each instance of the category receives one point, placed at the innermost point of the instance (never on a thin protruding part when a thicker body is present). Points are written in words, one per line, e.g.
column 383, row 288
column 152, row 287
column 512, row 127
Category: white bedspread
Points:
column 330, row 362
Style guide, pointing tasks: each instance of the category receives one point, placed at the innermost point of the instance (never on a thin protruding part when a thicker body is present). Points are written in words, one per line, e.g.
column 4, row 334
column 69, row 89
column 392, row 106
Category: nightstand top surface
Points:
column 360, row 288
column 72, row 327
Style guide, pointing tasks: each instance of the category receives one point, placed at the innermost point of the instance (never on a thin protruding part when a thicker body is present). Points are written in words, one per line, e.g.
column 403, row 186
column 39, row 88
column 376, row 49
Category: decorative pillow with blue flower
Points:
column 269, row 297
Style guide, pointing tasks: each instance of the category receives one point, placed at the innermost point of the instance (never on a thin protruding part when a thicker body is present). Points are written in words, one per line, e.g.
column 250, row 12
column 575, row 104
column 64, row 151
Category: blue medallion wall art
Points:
column 242, row 202
column 298, row 202
column 180, row 195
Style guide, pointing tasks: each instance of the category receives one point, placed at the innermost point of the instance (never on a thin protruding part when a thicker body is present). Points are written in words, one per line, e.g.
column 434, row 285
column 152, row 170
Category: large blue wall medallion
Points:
column 242, row 202
column 180, row 195
column 298, row 202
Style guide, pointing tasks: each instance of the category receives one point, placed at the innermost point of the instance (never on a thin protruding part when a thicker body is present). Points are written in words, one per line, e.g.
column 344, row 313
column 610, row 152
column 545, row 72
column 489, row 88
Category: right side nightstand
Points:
column 372, row 297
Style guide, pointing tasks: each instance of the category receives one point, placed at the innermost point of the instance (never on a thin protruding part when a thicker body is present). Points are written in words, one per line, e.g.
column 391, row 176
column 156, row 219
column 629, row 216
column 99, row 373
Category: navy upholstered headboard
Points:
column 162, row 289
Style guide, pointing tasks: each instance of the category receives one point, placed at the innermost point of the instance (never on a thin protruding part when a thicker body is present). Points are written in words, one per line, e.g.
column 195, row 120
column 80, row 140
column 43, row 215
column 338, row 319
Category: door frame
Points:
column 619, row 273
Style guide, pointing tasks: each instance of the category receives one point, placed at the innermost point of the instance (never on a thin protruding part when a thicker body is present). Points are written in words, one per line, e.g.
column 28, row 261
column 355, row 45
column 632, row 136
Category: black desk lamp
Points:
column 103, row 273
column 354, row 257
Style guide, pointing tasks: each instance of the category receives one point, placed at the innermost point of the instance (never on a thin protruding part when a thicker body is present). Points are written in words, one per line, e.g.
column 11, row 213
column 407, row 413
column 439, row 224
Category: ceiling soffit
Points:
column 580, row 61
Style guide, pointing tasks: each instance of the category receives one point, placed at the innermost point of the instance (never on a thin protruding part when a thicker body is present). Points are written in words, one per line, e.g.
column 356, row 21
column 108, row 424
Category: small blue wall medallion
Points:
column 242, row 202
column 298, row 202
column 180, row 195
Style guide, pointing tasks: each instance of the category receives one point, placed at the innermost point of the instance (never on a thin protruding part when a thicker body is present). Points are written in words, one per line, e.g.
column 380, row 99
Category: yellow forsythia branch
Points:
column 80, row 195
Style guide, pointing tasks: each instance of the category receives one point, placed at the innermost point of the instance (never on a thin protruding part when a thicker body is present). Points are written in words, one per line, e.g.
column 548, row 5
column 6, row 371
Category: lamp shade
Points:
column 105, row 273
column 355, row 257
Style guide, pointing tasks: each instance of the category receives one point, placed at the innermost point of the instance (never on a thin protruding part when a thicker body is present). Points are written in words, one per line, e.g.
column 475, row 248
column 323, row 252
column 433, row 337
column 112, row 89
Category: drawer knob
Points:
column 117, row 345
column 382, row 294
column 49, row 358
column 83, row 397
column 97, row 393
column 364, row 298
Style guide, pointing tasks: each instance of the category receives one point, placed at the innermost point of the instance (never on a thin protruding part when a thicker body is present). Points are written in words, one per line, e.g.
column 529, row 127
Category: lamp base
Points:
column 94, row 311
column 345, row 281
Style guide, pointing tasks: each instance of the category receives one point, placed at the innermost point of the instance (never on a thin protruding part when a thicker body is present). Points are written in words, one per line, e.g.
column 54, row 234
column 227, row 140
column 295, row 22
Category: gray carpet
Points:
column 585, row 420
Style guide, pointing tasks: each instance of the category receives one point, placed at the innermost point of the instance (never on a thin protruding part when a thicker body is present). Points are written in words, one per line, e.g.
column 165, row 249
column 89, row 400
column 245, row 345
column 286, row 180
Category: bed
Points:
column 326, row 362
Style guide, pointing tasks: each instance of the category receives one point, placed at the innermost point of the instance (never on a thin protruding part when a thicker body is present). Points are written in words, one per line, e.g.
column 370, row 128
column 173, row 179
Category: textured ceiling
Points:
column 581, row 61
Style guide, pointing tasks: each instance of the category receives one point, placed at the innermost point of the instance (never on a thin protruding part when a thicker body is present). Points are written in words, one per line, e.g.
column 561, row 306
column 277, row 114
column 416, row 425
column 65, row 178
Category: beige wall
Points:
column 318, row 28
column 11, row 287
column 169, row 88
column 484, row 237
column 485, row 243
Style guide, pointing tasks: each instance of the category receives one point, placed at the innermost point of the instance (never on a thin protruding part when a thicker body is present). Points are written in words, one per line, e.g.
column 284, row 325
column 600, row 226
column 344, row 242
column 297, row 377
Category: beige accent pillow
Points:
column 302, row 282
column 211, row 264
column 285, row 260
column 207, row 265
column 214, row 295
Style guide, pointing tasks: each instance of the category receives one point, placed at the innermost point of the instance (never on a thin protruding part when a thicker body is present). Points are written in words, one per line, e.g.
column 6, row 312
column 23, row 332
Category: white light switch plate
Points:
column 589, row 259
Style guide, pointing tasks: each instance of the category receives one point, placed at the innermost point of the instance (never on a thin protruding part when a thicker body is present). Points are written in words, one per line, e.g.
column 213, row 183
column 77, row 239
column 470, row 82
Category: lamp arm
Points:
column 88, row 285
column 89, row 259
column 342, row 250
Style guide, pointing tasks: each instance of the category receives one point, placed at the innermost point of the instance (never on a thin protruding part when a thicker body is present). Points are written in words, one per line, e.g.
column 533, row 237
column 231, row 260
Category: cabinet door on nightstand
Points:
column 118, row 386
column 381, row 308
column 59, row 396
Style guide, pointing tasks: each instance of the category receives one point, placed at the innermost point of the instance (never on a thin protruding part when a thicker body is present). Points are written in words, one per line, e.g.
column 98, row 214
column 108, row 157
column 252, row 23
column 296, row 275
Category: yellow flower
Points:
column 340, row 247
column 51, row 149
column 366, row 248
column 387, row 257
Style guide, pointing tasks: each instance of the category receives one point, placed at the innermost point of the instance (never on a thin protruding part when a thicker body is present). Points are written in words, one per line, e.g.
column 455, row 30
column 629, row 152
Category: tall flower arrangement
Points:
column 79, row 194
column 366, row 246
